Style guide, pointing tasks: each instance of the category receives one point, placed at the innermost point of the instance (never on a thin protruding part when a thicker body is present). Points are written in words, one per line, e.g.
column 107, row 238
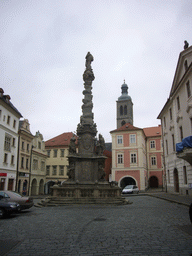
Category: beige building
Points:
column 24, row 157
column 38, row 163
column 176, row 120
column 57, row 161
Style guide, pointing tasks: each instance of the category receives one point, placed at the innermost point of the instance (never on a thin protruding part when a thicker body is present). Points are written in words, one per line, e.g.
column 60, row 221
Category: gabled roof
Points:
column 60, row 140
column 152, row 131
column 6, row 100
column 126, row 127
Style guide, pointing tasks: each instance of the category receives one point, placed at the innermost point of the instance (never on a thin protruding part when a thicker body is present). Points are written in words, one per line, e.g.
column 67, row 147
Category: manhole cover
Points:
column 99, row 219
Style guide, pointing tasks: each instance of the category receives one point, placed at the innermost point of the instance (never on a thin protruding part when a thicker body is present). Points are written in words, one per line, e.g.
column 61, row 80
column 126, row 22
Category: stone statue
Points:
column 72, row 146
column 100, row 145
column 89, row 59
column 101, row 172
column 186, row 45
column 71, row 171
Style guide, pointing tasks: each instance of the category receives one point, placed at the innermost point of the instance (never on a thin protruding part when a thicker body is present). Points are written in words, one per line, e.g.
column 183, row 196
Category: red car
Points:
column 25, row 202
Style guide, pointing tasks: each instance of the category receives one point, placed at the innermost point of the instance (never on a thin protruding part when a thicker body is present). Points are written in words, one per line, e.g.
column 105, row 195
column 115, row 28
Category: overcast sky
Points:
column 43, row 49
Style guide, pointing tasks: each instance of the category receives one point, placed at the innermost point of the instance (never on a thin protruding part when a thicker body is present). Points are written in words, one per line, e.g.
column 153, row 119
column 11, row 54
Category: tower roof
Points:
column 124, row 93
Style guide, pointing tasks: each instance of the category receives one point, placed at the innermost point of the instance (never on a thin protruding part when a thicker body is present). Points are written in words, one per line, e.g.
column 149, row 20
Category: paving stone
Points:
column 149, row 226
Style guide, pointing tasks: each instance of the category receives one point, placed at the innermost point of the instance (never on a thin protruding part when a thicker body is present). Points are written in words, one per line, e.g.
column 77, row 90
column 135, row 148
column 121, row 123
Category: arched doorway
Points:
column 41, row 187
column 127, row 181
column 34, row 187
column 176, row 180
column 153, row 182
column 24, row 190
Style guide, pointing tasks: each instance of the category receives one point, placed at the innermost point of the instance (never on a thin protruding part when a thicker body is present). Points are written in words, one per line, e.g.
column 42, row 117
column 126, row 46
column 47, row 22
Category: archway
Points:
column 24, row 191
column 41, row 187
column 34, row 187
column 127, row 181
column 153, row 182
column 176, row 180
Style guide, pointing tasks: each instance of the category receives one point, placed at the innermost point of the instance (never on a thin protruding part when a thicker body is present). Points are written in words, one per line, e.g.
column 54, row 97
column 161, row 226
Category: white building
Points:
column 176, row 120
column 9, row 124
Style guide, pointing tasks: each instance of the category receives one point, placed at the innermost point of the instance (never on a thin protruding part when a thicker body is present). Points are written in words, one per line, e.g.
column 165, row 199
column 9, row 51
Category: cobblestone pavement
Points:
column 148, row 226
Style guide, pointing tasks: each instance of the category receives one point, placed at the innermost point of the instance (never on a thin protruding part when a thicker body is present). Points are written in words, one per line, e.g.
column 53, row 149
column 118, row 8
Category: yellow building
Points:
column 57, row 161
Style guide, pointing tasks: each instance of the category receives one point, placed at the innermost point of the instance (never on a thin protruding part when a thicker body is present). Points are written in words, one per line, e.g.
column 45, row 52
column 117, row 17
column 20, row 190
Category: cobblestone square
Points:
column 148, row 226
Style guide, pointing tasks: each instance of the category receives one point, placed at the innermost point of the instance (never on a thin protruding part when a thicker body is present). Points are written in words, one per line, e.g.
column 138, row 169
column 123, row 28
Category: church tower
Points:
column 124, row 107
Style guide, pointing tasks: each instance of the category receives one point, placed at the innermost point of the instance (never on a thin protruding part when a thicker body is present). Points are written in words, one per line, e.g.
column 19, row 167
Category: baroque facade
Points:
column 9, row 124
column 176, row 120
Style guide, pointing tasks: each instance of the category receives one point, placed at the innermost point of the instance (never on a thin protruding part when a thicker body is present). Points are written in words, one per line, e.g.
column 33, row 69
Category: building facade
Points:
column 24, row 157
column 57, row 150
column 176, row 120
column 37, row 177
column 9, row 124
column 129, row 166
column 154, row 151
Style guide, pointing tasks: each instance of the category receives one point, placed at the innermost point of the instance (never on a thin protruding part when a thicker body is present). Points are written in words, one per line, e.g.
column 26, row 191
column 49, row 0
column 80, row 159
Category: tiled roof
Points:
column 60, row 140
column 152, row 131
column 126, row 127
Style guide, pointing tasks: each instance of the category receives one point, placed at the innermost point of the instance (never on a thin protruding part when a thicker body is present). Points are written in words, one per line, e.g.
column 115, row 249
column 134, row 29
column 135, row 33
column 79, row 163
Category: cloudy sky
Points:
column 43, row 49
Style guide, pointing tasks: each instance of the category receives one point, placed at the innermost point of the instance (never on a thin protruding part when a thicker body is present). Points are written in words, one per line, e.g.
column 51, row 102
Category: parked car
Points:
column 7, row 208
column 130, row 189
column 25, row 202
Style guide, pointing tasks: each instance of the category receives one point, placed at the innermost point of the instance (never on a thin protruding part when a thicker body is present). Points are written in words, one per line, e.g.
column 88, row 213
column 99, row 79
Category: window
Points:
column 8, row 119
column 22, row 162
column 191, row 124
column 39, row 145
column 48, row 153
column 35, row 164
column 170, row 113
column 121, row 110
column 27, row 147
column 181, row 132
column 7, row 143
column 178, row 103
column 48, row 170
column 166, row 143
column 153, row 160
column 54, row 170
column 62, row 152
column 184, row 175
column 125, row 110
column 133, row 158
column 12, row 159
column 23, row 145
column 0, row 112
column 5, row 157
column 152, row 144
column 173, row 142
column 14, row 123
column 61, row 170
column 164, row 122
column 13, row 142
column 132, row 138
column 27, row 163
column 55, row 153
column 42, row 166
column 119, row 139
column 119, row 158
column 188, row 89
